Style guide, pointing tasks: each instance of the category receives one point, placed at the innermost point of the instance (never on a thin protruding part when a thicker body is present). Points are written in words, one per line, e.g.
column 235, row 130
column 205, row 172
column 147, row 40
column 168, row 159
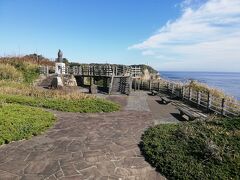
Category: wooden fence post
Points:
column 183, row 92
column 198, row 98
column 135, row 84
column 209, row 101
column 93, row 71
column 158, row 86
column 47, row 70
column 190, row 94
column 173, row 89
column 223, row 107
column 150, row 85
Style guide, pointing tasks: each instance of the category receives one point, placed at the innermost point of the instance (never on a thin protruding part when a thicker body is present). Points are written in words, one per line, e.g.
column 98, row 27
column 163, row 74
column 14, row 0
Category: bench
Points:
column 191, row 115
column 154, row 93
column 165, row 100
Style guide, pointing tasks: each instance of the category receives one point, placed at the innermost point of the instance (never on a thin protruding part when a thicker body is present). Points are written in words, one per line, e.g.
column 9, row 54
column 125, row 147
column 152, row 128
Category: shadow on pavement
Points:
column 178, row 116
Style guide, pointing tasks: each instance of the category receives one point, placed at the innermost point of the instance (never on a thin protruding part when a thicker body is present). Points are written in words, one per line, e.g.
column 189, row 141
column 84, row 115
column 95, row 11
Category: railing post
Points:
column 135, row 84
column 183, row 92
column 158, row 86
column 173, row 89
column 209, row 101
column 47, row 71
column 190, row 94
column 223, row 107
column 116, row 70
column 141, row 87
column 198, row 98
column 150, row 85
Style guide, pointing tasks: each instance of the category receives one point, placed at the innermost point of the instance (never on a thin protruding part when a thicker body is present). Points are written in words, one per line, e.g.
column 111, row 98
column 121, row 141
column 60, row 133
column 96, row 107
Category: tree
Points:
column 65, row 60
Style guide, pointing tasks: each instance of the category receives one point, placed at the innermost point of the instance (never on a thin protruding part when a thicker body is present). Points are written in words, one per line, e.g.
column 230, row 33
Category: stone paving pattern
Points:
column 83, row 146
column 163, row 113
column 137, row 101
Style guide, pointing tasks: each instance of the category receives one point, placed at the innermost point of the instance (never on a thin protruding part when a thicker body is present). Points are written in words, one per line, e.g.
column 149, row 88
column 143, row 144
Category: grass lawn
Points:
column 85, row 105
column 195, row 150
column 21, row 122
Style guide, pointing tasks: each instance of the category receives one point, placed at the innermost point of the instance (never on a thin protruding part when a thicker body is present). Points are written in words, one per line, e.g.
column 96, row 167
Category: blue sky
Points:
column 169, row 35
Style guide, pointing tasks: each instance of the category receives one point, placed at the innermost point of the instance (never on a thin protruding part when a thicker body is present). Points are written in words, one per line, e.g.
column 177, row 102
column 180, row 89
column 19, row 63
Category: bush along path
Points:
column 196, row 150
column 22, row 122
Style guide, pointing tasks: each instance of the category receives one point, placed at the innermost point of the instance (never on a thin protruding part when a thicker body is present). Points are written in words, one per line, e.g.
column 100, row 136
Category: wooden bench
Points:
column 154, row 93
column 191, row 115
column 165, row 100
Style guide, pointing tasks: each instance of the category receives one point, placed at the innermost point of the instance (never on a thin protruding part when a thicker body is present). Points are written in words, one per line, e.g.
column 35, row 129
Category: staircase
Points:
column 121, row 85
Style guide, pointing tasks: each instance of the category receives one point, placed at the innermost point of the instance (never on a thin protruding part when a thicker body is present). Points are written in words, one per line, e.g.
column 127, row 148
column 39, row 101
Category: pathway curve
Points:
column 137, row 101
column 83, row 146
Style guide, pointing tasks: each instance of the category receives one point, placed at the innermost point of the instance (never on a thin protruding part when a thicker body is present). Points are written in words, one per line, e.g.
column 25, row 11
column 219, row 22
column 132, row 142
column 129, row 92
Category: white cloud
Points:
column 199, row 38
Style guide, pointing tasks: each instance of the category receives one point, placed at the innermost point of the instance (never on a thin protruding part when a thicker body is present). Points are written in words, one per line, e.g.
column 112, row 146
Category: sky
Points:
column 175, row 35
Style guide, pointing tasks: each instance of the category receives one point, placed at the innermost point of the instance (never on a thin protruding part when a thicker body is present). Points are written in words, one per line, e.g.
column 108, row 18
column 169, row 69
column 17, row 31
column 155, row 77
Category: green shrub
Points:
column 196, row 150
column 21, row 122
column 30, row 71
column 19, row 71
column 8, row 72
column 87, row 105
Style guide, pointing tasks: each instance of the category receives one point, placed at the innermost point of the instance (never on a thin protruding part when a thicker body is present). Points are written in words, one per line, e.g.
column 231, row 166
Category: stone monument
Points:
column 59, row 65
column 57, row 82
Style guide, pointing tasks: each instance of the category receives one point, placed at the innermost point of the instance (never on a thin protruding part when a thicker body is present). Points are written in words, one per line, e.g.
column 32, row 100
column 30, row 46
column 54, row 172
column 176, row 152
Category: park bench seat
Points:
column 165, row 100
column 191, row 115
column 154, row 93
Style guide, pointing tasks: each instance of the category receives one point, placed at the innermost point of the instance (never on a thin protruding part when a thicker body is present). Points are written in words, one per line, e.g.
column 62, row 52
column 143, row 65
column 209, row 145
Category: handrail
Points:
column 205, row 100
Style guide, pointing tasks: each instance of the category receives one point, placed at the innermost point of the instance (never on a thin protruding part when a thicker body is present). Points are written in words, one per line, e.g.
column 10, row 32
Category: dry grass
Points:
column 26, row 59
column 197, row 86
column 10, row 73
column 28, row 70
column 216, row 93
column 15, row 88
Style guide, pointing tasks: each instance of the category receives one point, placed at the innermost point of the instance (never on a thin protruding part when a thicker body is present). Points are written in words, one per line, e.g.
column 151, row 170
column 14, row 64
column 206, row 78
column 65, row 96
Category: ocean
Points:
column 225, row 81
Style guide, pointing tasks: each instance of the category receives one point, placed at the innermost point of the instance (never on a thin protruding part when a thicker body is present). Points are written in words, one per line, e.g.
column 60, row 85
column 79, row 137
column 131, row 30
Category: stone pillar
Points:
column 59, row 68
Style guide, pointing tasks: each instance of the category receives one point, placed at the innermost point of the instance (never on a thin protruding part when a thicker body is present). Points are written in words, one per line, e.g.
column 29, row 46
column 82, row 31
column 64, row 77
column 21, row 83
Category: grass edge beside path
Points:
column 86, row 105
column 22, row 122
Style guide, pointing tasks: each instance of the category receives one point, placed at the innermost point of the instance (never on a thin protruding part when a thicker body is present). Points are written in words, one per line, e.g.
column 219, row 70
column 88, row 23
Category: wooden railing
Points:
column 46, row 69
column 99, row 70
column 203, row 100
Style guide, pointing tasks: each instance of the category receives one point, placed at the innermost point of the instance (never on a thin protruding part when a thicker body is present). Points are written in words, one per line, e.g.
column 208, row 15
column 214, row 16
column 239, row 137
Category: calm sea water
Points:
column 228, row 82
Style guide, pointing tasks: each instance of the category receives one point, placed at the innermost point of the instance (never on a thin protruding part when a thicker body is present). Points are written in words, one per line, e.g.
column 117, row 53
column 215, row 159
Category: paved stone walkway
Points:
column 82, row 146
column 163, row 113
column 89, row 146
column 137, row 101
